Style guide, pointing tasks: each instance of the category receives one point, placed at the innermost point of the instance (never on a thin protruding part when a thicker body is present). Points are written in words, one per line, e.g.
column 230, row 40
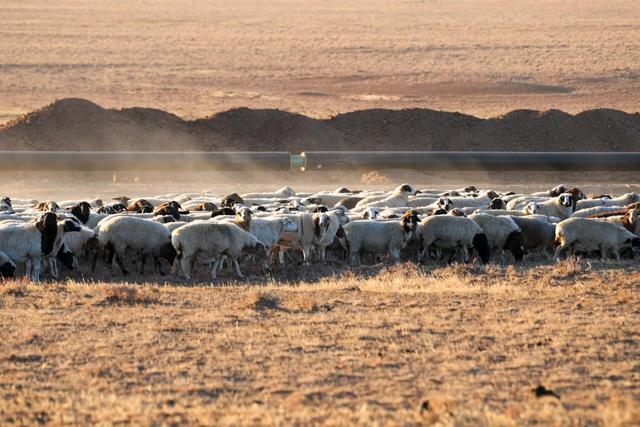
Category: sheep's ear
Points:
column 316, row 226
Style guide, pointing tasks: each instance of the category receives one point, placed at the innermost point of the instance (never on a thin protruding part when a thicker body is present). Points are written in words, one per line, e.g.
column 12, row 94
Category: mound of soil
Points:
column 77, row 124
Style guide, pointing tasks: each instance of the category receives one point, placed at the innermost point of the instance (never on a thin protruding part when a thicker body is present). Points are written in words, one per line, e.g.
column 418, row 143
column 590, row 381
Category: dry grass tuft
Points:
column 130, row 295
column 261, row 300
column 14, row 289
column 569, row 267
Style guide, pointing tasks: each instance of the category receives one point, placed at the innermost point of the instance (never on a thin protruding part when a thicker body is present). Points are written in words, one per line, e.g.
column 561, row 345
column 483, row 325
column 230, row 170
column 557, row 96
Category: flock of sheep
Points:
column 181, row 231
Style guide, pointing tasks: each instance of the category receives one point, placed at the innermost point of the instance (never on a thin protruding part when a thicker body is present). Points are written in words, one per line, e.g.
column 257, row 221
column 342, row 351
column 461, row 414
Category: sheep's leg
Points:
column 237, row 267
column 559, row 250
column 120, row 260
column 36, row 269
column 616, row 255
column 306, row 255
column 93, row 264
column 214, row 269
column 187, row 264
column 76, row 263
column 143, row 259
column 27, row 268
column 465, row 253
column 53, row 264
column 320, row 250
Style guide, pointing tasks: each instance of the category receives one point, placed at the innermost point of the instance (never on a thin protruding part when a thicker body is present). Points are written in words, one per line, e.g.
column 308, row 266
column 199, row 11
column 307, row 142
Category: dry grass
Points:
column 460, row 345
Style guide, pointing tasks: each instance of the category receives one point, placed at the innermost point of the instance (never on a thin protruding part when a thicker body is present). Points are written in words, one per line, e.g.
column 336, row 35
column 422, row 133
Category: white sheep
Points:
column 399, row 197
column 561, row 206
column 326, row 225
column 282, row 193
column 30, row 242
column 596, row 210
column 210, row 240
column 145, row 237
column 502, row 233
column 589, row 235
column 447, row 232
column 625, row 199
column 377, row 237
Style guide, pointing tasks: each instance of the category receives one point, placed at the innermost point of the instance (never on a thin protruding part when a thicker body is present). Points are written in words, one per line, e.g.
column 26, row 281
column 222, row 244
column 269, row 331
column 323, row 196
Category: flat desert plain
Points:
column 320, row 58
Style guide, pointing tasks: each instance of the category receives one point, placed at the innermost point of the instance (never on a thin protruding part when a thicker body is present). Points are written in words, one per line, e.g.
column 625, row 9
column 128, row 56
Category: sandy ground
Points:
column 320, row 58
column 461, row 345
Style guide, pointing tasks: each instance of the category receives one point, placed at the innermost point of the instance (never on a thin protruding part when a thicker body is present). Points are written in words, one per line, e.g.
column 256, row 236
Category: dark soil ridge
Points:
column 78, row 124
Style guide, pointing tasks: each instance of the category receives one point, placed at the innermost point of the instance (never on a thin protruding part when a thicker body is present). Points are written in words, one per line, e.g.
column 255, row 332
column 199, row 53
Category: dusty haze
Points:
column 320, row 58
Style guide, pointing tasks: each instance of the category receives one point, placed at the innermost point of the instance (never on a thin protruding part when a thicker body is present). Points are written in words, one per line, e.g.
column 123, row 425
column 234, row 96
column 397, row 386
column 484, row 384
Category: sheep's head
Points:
column 81, row 211
column 243, row 217
column 633, row 197
column 470, row 189
column 370, row 213
column 206, row 206
column 342, row 190
column 515, row 244
column 445, row 203
column 531, row 208
column 577, row 194
column 492, row 194
column 557, row 190
column 321, row 223
column 286, row 192
column 630, row 220
column 257, row 248
column 407, row 190
column 410, row 220
column 456, row 212
column 566, row 200
column 321, row 208
column 497, row 203
column 230, row 200
column 122, row 199
column 6, row 200
column 288, row 226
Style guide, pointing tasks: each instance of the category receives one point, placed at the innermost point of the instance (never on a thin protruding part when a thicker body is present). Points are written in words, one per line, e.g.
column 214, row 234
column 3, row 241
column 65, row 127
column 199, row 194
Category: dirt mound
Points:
column 77, row 124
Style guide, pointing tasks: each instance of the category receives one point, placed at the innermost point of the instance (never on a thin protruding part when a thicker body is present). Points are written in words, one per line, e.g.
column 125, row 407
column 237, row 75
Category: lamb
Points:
column 448, row 231
column 539, row 235
column 502, row 233
column 377, row 237
column 7, row 266
column 212, row 240
column 30, row 242
column 270, row 230
column 143, row 236
column 588, row 235
column 623, row 200
column 562, row 206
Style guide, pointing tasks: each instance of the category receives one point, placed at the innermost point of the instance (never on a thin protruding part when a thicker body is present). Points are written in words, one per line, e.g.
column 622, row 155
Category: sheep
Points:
column 502, row 233
column 140, row 206
column 448, row 231
column 596, row 210
column 538, row 234
column 326, row 225
column 174, row 225
column 30, row 242
column 628, row 221
column 270, row 230
column 562, row 206
column 303, row 239
column 7, row 266
column 76, row 242
column 5, row 205
column 399, row 197
column 349, row 202
column 281, row 193
column 377, row 237
column 589, row 235
column 143, row 236
column 623, row 200
column 212, row 240
column 172, row 208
